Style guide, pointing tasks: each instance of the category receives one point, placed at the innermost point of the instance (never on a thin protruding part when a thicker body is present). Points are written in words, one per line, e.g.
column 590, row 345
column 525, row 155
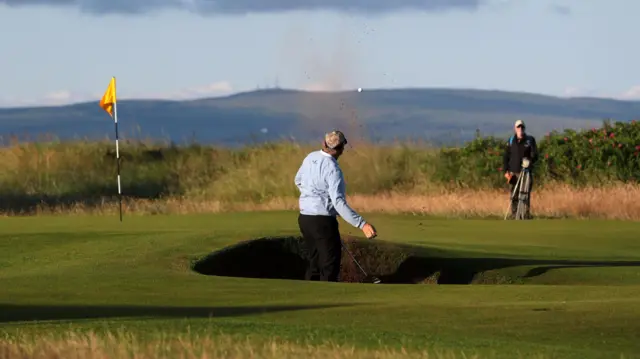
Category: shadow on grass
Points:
column 21, row 313
column 476, row 270
column 285, row 258
column 94, row 196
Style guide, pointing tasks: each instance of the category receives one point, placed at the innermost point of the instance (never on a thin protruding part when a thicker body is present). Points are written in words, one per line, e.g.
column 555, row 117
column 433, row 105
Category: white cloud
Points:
column 632, row 94
column 58, row 97
column 573, row 91
column 216, row 88
column 49, row 99
column 65, row 97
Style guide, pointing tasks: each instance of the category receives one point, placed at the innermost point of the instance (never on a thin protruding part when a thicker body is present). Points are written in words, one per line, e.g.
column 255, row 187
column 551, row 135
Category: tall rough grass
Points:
column 75, row 345
column 586, row 174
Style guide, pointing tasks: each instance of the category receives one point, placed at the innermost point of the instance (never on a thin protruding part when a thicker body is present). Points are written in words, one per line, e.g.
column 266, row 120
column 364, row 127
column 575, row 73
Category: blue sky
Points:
column 64, row 51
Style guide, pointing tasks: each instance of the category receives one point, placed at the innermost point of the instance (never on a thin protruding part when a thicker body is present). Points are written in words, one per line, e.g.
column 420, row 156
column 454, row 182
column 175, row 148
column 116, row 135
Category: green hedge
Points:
column 587, row 157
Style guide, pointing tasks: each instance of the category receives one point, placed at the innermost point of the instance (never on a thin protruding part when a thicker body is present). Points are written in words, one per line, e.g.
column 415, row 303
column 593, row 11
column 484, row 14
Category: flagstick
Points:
column 115, row 119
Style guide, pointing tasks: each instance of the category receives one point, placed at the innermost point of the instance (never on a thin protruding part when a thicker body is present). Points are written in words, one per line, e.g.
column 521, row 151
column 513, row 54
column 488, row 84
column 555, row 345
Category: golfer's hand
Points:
column 507, row 175
column 369, row 231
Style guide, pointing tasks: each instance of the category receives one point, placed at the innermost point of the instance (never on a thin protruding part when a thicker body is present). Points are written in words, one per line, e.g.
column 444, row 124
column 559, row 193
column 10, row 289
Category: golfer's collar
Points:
column 325, row 154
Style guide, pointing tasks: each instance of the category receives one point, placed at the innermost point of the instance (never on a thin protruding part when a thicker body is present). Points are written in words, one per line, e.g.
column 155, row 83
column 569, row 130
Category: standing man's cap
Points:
column 335, row 139
column 519, row 123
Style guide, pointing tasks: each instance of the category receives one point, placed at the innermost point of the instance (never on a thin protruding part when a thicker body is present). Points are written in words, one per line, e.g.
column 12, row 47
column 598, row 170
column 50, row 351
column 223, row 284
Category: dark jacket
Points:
column 517, row 149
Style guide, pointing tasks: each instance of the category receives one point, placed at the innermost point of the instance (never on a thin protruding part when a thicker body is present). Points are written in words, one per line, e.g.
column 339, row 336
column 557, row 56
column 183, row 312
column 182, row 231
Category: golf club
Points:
column 375, row 280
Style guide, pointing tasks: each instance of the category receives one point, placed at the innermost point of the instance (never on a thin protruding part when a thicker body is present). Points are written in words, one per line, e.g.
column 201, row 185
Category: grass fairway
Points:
column 94, row 274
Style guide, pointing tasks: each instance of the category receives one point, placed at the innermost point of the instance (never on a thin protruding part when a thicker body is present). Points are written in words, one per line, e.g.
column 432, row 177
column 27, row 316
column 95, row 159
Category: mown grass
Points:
column 97, row 275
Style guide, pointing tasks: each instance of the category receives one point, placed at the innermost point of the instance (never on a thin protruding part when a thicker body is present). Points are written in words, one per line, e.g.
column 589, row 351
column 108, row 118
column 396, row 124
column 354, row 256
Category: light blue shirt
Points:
column 322, row 189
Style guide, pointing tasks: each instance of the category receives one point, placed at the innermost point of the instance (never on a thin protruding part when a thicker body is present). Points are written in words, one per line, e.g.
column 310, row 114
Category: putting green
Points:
column 578, row 291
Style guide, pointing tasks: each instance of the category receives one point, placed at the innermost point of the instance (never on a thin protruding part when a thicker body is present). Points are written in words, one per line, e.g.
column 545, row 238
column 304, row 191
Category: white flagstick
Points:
column 115, row 119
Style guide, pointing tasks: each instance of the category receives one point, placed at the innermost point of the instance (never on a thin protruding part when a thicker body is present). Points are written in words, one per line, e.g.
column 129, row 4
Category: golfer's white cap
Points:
column 519, row 123
column 335, row 139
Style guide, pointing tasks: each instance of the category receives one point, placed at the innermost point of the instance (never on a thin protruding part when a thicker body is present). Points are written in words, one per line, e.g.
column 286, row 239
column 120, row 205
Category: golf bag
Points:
column 521, row 196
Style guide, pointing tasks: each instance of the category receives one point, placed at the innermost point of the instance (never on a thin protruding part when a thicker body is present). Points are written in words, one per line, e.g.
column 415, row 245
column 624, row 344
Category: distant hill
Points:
column 437, row 115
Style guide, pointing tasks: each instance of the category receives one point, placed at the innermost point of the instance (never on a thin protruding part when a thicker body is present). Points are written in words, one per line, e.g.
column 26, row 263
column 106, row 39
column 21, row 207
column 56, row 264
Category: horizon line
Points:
column 375, row 89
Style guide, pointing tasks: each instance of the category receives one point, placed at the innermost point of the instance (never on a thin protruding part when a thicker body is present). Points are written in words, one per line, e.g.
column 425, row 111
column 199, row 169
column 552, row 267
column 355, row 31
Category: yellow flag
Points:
column 109, row 97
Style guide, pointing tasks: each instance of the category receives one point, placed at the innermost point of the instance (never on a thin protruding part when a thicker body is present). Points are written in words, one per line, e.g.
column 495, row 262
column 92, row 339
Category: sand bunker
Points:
column 285, row 258
column 393, row 263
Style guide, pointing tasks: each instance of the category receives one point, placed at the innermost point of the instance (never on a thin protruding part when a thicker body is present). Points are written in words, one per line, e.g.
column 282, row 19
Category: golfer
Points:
column 322, row 198
column 519, row 147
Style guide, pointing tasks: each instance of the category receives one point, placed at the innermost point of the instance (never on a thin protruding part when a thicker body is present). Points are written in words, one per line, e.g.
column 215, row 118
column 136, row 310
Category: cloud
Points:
column 58, row 97
column 632, row 94
column 65, row 97
column 238, row 7
column 54, row 98
column 573, row 91
column 213, row 89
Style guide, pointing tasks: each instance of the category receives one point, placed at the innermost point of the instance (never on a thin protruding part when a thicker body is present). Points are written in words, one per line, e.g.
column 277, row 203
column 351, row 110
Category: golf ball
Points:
column 359, row 89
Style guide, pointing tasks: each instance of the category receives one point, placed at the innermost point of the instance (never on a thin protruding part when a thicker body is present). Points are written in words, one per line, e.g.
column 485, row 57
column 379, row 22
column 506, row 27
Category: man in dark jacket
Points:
column 520, row 148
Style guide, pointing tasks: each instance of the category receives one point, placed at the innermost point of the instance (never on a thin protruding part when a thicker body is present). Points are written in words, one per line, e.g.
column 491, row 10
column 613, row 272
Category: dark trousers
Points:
column 514, row 199
column 324, row 247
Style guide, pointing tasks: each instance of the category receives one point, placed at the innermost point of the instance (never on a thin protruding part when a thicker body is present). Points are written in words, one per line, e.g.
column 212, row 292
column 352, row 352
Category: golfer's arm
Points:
column 336, row 185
